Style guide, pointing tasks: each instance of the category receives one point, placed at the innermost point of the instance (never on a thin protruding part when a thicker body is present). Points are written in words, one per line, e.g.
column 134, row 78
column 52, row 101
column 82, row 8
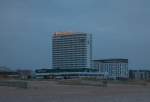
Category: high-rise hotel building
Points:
column 71, row 50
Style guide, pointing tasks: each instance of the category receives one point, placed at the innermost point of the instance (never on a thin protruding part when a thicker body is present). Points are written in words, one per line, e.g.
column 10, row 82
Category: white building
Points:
column 113, row 68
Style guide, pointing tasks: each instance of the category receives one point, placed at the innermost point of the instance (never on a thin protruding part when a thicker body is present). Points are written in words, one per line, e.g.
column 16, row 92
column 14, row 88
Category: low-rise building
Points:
column 25, row 73
column 113, row 68
column 67, row 73
column 6, row 73
column 139, row 74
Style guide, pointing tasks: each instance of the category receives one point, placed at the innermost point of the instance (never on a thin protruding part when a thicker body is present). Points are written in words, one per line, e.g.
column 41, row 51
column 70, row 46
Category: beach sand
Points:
column 50, row 91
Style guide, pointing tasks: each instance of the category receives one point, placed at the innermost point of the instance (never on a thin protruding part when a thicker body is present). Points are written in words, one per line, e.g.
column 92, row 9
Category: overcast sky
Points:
column 120, row 28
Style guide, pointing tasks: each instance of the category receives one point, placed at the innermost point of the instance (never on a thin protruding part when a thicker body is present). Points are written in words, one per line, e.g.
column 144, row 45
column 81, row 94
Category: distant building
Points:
column 6, row 73
column 25, row 73
column 71, row 50
column 139, row 74
column 113, row 68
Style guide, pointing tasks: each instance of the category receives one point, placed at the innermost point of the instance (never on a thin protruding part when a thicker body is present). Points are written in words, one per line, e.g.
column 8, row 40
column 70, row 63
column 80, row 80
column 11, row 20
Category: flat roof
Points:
column 112, row 60
column 67, row 33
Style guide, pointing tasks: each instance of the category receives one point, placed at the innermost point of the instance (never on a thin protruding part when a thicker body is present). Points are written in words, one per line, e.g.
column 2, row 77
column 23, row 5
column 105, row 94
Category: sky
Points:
column 120, row 29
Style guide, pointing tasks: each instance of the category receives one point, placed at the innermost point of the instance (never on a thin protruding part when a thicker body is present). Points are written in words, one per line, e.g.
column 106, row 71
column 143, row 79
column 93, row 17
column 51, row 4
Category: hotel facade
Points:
column 71, row 50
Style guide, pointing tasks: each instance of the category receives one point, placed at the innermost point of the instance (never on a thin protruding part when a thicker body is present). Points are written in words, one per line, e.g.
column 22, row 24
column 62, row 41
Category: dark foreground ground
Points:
column 50, row 91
